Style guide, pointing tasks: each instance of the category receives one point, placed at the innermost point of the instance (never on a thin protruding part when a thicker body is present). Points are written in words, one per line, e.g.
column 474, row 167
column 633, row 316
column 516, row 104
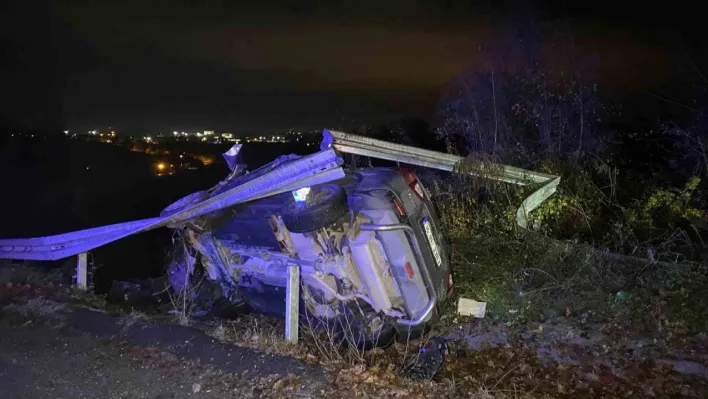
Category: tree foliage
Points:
column 529, row 101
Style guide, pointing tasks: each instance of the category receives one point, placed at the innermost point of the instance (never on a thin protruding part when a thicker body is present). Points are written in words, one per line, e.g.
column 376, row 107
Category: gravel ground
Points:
column 89, row 354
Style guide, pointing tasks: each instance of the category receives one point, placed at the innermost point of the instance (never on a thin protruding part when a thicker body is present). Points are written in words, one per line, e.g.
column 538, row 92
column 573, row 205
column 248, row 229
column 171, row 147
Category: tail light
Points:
column 409, row 271
column 413, row 183
column 399, row 208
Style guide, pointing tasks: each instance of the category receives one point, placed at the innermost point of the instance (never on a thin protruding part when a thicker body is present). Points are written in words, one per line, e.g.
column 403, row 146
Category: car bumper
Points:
column 425, row 314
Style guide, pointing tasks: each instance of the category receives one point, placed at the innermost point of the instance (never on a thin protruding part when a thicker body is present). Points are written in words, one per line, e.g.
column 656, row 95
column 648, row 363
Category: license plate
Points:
column 434, row 247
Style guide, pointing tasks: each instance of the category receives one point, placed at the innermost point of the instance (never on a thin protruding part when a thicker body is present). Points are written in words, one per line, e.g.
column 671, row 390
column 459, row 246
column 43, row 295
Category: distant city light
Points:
column 66, row 132
column 206, row 160
column 175, row 133
column 161, row 166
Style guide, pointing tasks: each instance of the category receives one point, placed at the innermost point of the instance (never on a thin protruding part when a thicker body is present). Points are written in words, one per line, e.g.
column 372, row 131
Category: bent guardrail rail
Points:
column 365, row 146
column 318, row 168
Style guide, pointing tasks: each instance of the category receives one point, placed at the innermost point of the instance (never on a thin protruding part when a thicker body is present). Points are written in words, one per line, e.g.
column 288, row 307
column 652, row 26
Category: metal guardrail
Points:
column 317, row 168
column 365, row 146
column 314, row 169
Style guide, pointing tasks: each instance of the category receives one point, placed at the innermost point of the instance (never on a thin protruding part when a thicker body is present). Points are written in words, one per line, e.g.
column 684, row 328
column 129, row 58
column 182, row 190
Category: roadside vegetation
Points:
column 618, row 253
column 623, row 238
column 625, row 234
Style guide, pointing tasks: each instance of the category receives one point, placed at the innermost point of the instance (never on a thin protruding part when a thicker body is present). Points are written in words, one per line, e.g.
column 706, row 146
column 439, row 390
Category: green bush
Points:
column 665, row 208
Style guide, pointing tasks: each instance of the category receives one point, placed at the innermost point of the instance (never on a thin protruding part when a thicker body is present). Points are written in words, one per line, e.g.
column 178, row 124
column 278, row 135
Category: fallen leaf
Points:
column 279, row 384
column 196, row 387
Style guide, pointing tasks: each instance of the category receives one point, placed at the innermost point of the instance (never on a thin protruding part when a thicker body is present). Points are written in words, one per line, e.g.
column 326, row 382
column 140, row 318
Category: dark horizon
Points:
column 214, row 65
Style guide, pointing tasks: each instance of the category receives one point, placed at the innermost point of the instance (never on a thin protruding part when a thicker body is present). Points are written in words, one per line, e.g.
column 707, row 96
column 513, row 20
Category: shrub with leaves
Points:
column 665, row 208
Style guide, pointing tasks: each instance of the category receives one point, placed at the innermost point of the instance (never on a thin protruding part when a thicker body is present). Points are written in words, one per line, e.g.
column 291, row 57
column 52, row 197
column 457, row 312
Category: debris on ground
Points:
column 470, row 307
column 429, row 361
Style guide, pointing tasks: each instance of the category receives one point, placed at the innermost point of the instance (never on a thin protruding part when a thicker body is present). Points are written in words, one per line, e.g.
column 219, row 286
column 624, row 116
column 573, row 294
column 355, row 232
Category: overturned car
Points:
column 369, row 248
column 366, row 242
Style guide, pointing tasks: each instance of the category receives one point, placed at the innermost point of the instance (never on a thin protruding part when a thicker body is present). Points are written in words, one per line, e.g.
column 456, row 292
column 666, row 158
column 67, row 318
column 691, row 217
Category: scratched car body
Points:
column 369, row 249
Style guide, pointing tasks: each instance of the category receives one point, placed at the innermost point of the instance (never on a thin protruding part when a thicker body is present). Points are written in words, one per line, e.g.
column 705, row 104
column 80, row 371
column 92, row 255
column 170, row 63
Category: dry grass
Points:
column 184, row 301
column 135, row 316
column 335, row 340
column 324, row 343
column 264, row 333
column 183, row 305
column 40, row 307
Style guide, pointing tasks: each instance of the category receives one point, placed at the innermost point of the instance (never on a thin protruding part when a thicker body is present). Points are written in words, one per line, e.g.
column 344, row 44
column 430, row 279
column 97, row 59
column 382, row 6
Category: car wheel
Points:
column 406, row 334
column 325, row 204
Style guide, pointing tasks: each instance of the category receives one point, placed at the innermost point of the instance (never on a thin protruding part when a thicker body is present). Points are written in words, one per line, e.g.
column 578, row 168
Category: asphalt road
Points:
column 88, row 354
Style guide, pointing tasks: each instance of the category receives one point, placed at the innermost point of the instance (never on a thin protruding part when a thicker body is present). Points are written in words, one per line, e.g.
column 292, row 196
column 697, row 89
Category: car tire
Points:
column 352, row 327
column 405, row 334
column 325, row 204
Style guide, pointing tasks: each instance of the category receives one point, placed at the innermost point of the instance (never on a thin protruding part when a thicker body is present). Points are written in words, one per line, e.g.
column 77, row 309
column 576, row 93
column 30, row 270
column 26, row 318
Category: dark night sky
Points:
column 226, row 66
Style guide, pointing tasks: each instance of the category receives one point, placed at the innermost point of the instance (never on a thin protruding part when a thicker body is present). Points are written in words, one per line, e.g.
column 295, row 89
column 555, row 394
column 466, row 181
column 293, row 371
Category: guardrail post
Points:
column 82, row 271
column 292, row 304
